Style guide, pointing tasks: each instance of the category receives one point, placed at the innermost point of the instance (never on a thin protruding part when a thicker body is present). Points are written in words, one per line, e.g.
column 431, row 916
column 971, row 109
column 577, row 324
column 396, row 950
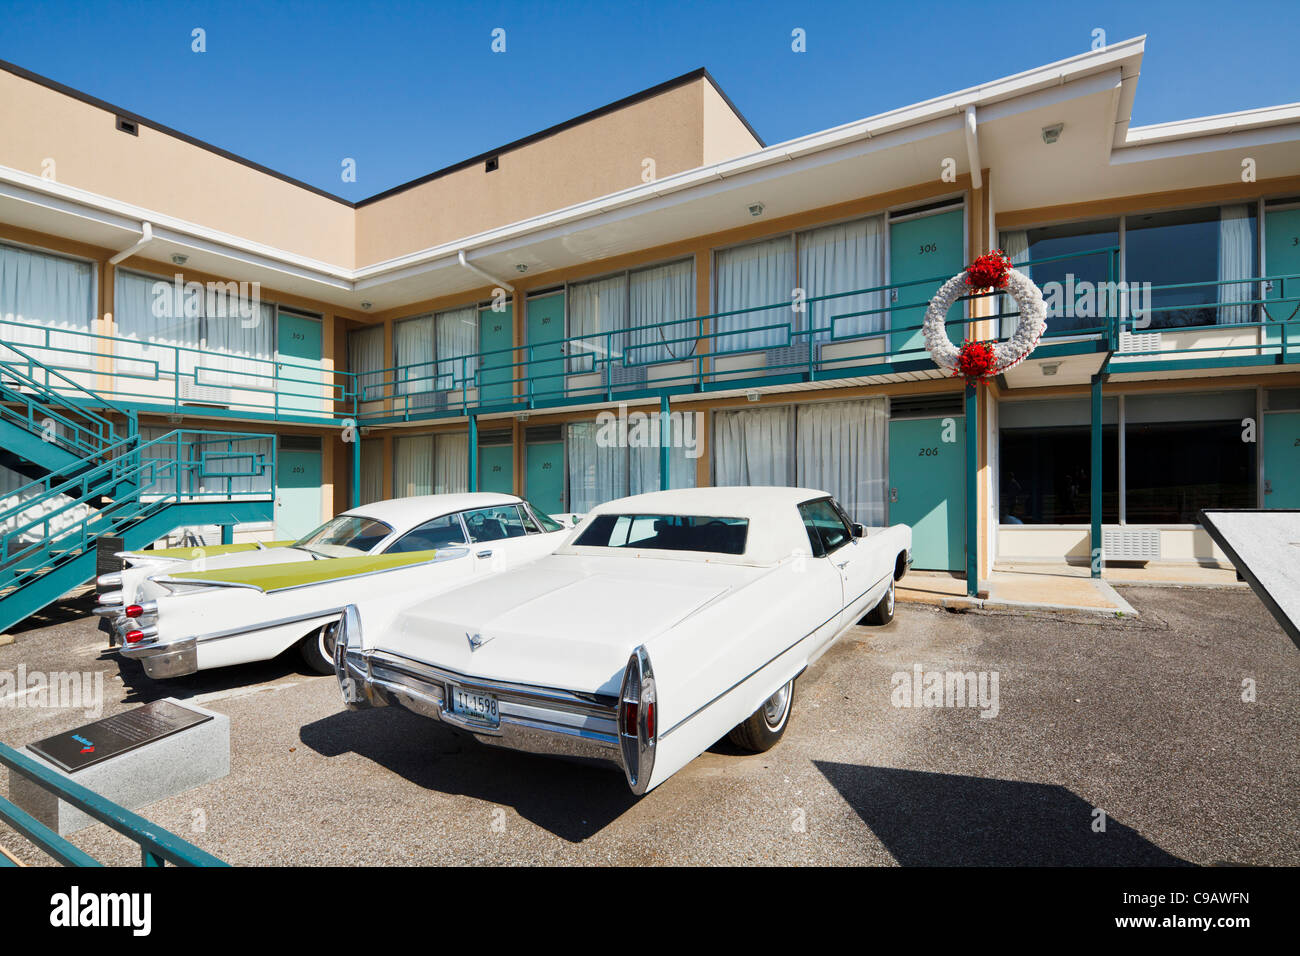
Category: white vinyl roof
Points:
column 406, row 513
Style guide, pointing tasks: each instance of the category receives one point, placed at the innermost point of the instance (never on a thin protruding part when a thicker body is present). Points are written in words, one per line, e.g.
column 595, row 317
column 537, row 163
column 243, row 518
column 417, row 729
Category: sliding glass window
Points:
column 1045, row 462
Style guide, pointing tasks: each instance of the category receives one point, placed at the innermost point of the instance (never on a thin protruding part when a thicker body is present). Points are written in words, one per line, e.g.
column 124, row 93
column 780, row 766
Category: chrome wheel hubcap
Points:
column 775, row 706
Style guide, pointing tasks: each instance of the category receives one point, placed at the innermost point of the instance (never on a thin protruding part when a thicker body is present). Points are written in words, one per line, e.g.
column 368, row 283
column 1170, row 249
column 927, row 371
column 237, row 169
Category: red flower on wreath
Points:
column 975, row 361
column 989, row 271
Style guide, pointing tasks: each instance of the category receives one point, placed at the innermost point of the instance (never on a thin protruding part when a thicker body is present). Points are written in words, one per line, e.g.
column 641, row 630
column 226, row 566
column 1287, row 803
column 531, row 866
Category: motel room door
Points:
column 496, row 332
column 927, row 491
column 301, row 379
column 545, row 370
column 496, row 464
column 544, row 469
column 1282, row 258
column 929, row 246
column 298, row 500
column 1282, row 459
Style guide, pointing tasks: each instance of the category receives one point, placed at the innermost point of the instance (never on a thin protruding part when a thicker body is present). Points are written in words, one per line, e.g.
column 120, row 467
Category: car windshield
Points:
column 345, row 537
column 658, row 532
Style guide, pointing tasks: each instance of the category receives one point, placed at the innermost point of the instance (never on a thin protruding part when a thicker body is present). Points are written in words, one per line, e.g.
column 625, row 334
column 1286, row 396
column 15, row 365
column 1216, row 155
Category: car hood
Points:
column 564, row 621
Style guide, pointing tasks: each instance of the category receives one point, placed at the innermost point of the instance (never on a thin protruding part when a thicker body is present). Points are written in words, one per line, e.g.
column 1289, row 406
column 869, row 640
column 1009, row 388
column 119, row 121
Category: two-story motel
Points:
column 466, row 329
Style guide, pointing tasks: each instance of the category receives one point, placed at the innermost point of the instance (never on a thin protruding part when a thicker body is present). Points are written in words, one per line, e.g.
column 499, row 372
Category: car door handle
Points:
column 842, row 564
column 484, row 554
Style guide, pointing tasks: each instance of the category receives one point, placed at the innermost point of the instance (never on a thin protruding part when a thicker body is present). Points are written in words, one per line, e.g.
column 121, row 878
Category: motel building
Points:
column 476, row 328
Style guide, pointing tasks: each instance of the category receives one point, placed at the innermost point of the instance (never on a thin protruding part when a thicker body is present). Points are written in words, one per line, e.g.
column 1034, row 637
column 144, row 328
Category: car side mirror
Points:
column 859, row 531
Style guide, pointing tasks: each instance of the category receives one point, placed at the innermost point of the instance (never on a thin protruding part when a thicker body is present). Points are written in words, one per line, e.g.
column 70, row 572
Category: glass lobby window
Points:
column 1184, row 453
column 1079, row 242
column 1045, row 462
column 1201, row 246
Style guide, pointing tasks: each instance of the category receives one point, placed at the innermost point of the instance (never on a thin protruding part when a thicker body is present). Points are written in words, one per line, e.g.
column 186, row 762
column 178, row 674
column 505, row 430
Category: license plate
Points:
column 481, row 707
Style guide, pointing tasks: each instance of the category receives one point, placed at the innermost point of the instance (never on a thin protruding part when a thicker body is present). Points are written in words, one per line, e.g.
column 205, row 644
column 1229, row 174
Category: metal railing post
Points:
column 665, row 438
column 1095, row 478
column 473, row 453
column 972, row 489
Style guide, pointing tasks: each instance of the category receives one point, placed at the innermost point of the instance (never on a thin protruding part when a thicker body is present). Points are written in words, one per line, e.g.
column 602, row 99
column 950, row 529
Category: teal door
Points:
column 301, row 379
column 927, row 491
column 1282, row 459
column 496, row 469
column 928, row 247
column 496, row 335
column 544, row 475
column 1282, row 258
column 297, row 493
column 545, row 346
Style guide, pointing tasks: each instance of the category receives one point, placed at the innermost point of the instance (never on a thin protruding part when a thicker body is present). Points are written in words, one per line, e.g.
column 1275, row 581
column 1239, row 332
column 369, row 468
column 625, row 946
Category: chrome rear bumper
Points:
column 540, row 720
column 170, row 659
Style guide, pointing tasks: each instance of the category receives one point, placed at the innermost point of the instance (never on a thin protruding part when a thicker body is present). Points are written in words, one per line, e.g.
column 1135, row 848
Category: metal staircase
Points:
column 92, row 475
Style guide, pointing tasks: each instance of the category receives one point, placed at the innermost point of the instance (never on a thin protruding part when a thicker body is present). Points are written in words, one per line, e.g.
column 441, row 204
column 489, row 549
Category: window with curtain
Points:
column 246, row 460
column 456, row 341
column 746, row 279
column 753, row 446
column 838, row 259
column 838, row 447
column 633, row 317
column 38, row 289
column 451, row 464
column 1079, row 243
column 366, row 361
column 413, row 355
column 412, row 465
column 1201, row 246
column 600, row 473
column 222, row 345
column 372, row 470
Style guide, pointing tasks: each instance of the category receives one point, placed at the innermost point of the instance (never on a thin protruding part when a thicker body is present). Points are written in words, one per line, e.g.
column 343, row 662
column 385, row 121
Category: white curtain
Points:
column 643, row 463
column 238, row 458
column 372, row 470
column 413, row 348
column 1016, row 245
column 838, row 259
column 597, row 307
column 1236, row 261
column 239, row 350
column 49, row 291
column 451, row 464
column 752, row 447
column 596, row 473
column 366, row 361
column 748, row 277
column 412, row 465
column 665, row 296
column 456, row 341
column 840, row 448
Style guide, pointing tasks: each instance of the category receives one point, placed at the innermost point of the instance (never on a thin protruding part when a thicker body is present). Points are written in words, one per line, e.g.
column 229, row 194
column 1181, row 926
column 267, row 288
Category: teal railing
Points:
column 157, row 846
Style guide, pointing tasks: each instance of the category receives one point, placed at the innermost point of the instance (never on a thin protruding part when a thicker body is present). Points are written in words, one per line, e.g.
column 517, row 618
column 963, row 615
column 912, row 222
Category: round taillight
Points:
column 134, row 610
column 134, row 637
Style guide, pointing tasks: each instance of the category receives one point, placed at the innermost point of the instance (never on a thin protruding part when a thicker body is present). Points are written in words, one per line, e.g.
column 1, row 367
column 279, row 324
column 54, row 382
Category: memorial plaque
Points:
column 106, row 551
column 96, row 742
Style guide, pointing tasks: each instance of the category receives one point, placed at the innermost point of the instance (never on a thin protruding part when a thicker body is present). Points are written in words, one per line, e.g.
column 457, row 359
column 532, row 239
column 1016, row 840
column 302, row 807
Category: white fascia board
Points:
column 1285, row 114
column 1222, row 142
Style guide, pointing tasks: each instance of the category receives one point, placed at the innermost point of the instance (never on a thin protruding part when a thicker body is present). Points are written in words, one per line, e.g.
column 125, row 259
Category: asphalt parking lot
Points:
column 1141, row 719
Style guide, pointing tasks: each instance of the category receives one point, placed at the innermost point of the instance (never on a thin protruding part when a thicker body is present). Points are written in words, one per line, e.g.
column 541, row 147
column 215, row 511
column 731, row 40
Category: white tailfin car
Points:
column 254, row 605
column 667, row 621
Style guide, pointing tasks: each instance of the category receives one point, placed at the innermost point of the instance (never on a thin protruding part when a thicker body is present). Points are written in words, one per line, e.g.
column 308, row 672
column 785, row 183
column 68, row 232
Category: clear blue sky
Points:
column 406, row 88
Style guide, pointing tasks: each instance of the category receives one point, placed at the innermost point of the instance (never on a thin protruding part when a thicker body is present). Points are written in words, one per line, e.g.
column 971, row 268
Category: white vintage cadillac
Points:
column 667, row 621
column 234, row 608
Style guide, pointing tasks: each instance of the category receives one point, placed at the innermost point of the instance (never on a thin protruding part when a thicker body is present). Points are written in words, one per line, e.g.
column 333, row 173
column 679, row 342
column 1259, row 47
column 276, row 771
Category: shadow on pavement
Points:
column 939, row 819
column 139, row 688
column 573, row 800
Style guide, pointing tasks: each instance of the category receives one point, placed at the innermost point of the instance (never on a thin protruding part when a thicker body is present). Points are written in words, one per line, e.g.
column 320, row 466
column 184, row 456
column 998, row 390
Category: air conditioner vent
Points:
column 1131, row 544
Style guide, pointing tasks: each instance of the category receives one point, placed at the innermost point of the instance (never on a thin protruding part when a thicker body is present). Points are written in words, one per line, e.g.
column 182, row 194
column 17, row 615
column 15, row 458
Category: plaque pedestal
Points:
column 164, row 763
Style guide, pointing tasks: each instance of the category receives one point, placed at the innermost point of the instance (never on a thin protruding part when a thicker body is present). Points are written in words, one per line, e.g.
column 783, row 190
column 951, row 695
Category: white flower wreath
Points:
column 1008, row 354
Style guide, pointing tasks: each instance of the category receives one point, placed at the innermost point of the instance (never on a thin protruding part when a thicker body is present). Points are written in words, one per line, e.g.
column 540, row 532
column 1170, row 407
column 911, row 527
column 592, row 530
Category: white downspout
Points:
column 973, row 148
column 146, row 237
column 486, row 275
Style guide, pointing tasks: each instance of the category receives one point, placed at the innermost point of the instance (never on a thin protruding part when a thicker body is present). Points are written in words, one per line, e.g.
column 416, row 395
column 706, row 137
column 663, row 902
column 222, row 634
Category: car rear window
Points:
column 656, row 532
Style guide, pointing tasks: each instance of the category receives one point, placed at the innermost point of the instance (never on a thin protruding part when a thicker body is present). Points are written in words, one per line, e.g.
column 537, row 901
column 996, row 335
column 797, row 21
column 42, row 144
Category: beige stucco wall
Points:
column 725, row 135
column 164, row 174
column 601, row 156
